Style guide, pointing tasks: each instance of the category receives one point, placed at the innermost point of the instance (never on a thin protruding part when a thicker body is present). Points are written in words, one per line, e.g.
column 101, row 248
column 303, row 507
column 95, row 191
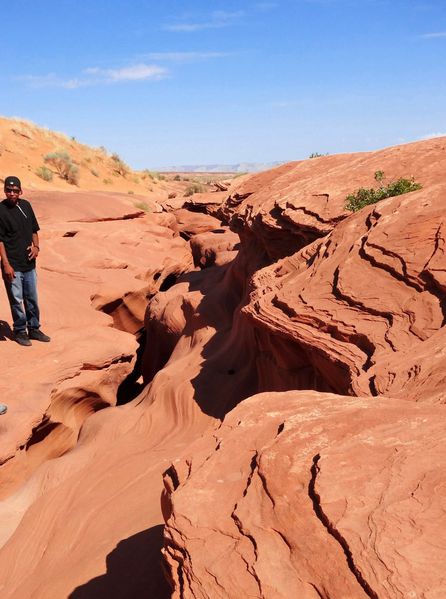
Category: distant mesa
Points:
column 240, row 167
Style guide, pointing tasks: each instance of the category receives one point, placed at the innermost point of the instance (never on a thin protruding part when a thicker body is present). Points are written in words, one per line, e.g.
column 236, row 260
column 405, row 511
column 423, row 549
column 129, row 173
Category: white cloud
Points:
column 218, row 19
column 137, row 72
column 92, row 76
column 430, row 135
column 433, row 35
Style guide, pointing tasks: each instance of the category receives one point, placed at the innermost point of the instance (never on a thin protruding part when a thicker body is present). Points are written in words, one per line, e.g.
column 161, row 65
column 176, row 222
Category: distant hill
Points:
column 241, row 167
column 24, row 148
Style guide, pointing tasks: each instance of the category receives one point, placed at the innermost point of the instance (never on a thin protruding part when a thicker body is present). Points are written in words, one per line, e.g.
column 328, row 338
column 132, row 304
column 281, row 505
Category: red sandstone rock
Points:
column 193, row 223
column 310, row 495
column 208, row 203
column 357, row 311
column 215, row 247
column 290, row 206
column 352, row 312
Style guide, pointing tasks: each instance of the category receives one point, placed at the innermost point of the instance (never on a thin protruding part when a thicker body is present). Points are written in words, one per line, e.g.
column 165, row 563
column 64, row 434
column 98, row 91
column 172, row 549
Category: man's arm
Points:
column 34, row 248
column 6, row 267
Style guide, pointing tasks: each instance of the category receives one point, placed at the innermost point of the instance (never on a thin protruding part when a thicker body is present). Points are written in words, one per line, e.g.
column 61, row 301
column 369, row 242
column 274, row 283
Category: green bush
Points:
column 177, row 178
column 193, row 188
column 316, row 155
column 364, row 197
column 44, row 173
column 62, row 163
column 379, row 176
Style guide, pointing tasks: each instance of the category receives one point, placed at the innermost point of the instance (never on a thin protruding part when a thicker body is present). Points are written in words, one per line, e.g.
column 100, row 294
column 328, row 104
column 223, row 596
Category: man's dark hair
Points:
column 13, row 182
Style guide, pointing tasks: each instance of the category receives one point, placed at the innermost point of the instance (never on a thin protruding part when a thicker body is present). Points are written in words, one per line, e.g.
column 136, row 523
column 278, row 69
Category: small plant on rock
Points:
column 193, row 188
column 379, row 176
column 143, row 206
column 366, row 196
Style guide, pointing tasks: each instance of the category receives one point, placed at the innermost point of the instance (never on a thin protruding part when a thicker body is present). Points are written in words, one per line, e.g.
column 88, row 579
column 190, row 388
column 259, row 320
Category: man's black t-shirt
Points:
column 17, row 225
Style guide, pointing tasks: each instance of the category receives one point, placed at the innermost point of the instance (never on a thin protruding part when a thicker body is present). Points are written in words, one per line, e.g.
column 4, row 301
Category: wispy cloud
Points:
column 95, row 76
column 216, row 20
column 266, row 6
column 433, row 35
column 137, row 72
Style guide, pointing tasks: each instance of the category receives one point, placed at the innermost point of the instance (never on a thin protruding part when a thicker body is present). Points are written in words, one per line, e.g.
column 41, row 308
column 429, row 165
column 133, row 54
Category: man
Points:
column 19, row 248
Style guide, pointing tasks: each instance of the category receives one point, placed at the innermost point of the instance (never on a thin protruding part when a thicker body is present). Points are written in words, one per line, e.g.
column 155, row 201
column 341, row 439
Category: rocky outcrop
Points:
column 317, row 494
column 310, row 495
column 351, row 312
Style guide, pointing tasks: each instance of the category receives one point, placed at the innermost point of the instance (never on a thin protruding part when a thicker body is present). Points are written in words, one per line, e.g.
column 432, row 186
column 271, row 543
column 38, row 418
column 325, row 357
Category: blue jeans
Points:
column 22, row 295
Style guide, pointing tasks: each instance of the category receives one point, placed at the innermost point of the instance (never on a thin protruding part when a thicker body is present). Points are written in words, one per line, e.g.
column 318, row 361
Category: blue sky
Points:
column 171, row 82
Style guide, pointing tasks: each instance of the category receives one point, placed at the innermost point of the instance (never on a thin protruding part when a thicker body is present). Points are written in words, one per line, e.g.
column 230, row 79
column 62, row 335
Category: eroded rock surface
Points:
column 311, row 495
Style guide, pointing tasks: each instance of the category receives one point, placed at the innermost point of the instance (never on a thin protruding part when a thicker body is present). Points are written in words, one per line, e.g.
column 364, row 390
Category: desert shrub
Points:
column 154, row 175
column 316, row 155
column 193, row 188
column 94, row 172
column 130, row 192
column 62, row 163
column 177, row 178
column 364, row 197
column 379, row 176
column 143, row 206
column 107, row 181
column 44, row 173
column 119, row 166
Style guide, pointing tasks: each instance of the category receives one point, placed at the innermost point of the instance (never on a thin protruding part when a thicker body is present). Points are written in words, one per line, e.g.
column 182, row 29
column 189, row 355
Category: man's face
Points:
column 12, row 193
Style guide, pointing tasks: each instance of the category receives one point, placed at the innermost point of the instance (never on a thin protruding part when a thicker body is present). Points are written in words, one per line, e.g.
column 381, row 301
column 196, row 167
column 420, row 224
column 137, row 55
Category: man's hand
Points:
column 33, row 252
column 8, row 272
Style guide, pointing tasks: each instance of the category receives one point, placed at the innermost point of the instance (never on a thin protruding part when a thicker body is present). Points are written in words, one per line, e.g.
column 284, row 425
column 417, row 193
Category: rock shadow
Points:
column 131, row 386
column 134, row 570
column 5, row 331
column 228, row 371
